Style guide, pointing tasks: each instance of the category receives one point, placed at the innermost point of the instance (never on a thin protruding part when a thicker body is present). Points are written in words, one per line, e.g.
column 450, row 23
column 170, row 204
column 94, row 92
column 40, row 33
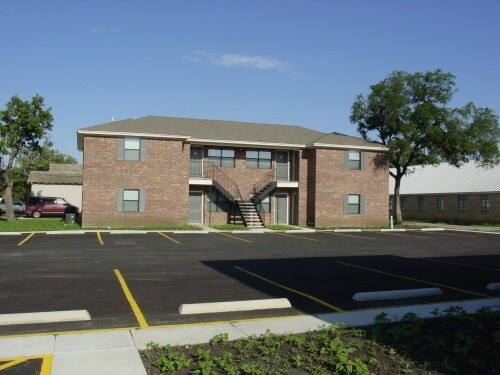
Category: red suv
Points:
column 48, row 206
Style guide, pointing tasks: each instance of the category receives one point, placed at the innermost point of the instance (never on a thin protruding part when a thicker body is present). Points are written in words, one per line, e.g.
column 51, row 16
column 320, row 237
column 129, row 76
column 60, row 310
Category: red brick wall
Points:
column 163, row 175
column 333, row 181
column 450, row 213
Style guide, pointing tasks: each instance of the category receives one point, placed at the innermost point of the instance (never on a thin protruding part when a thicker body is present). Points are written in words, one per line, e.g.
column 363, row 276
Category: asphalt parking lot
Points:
column 140, row 280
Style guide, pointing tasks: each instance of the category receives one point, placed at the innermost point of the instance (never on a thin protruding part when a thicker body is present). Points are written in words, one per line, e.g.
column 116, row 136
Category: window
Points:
column 390, row 203
column 217, row 202
column 132, row 149
column 404, row 203
column 353, row 204
column 258, row 159
column 221, row 157
column 130, row 200
column 353, row 160
column 265, row 205
column 462, row 203
column 421, row 203
column 485, row 203
column 440, row 204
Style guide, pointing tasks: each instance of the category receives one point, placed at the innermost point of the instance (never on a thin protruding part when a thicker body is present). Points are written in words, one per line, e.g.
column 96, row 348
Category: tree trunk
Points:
column 7, row 195
column 397, row 200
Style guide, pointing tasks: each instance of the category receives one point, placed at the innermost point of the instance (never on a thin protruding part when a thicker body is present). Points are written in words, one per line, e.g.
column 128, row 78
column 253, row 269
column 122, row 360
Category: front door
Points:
column 282, row 165
column 196, row 162
column 281, row 214
column 195, row 207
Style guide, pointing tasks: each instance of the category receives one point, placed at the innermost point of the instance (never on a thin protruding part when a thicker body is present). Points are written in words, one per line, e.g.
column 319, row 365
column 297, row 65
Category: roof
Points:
column 58, row 174
column 445, row 178
column 221, row 132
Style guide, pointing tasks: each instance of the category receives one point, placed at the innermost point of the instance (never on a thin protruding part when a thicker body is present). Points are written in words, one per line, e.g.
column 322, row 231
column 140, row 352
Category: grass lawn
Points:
column 455, row 344
column 46, row 224
column 229, row 227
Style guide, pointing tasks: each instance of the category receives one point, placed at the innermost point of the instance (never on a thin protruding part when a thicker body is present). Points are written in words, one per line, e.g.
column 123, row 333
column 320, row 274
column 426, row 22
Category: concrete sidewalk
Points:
column 116, row 351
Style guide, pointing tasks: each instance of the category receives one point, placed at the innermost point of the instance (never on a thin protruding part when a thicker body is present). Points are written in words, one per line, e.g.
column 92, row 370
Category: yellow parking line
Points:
column 347, row 235
column 45, row 368
column 413, row 279
column 236, row 238
column 131, row 301
column 99, row 238
column 461, row 264
column 289, row 235
column 321, row 302
column 47, row 365
column 12, row 362
column 26, row 239
column 403, row 235
column 168, row 237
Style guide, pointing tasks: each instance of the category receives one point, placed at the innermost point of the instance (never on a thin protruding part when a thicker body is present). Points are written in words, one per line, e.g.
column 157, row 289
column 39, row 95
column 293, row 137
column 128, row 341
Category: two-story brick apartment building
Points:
column 162, row 170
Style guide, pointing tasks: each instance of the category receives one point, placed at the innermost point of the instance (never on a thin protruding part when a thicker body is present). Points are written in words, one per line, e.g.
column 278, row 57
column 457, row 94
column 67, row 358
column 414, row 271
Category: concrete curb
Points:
column 44, row 317
column 216, row 307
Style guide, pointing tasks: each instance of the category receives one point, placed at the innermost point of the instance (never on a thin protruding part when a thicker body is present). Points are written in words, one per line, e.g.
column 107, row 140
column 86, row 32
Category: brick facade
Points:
column 164, row 177
column 450, row 213
column 330, row 182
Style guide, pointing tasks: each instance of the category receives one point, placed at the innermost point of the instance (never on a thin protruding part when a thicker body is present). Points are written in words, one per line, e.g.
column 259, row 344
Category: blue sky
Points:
column 284, row 62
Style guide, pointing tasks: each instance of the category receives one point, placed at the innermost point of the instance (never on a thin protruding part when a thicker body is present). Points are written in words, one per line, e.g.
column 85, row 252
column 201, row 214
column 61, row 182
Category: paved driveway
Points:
column 139, row 280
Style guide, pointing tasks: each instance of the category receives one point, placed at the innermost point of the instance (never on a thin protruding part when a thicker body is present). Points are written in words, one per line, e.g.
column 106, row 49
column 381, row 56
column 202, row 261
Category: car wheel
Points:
column 36, row 214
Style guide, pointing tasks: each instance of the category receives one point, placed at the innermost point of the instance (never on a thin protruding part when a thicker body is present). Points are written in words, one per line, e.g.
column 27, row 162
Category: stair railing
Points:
column 263, row 182
column 210, row 170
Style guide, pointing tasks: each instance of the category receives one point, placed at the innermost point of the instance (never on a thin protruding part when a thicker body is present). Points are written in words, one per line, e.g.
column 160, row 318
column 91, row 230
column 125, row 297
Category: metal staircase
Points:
column 250, row 214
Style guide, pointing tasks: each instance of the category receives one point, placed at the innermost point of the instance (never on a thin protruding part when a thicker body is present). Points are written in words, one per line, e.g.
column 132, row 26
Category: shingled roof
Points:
column 70, row 174
column 223, row 132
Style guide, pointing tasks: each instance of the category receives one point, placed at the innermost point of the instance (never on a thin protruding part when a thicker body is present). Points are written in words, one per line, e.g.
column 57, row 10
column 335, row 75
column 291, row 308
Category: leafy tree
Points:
column 23, row 125
column 410, row 114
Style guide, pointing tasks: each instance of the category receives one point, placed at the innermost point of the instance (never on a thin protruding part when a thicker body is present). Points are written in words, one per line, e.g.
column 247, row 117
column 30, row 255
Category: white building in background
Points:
column 61, row 180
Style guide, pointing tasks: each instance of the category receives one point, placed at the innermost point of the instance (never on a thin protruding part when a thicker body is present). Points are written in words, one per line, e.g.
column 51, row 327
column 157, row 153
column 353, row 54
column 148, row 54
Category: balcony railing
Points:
column 207, row 169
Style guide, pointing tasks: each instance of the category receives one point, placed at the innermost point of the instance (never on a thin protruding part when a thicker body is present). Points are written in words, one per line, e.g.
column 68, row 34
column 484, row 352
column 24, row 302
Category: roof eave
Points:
column 350, row 147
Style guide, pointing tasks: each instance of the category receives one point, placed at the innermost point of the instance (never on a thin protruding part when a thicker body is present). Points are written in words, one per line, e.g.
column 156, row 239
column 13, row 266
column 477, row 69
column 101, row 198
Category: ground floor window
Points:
column 353, row 204
column 440, row 204
column 404, row 203
column 265, row 205
column 421, row 203
column 217, row 202
column 131, row 200
column 462, row 203
column 485, row 203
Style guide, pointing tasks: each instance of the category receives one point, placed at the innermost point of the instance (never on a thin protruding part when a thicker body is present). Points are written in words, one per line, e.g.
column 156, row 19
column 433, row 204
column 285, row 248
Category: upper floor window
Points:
column 132, row 149
column 258, row 159
column 440, row 203
column 353, row 160
column 221, row 157
column 485, row 203
column 462, row 203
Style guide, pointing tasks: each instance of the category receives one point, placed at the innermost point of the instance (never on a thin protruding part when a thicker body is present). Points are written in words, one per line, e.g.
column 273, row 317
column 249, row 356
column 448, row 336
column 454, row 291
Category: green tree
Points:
column 23, row 126
column 410, row 114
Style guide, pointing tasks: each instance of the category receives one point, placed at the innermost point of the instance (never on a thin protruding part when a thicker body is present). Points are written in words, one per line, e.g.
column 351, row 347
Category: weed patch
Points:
column 453, row 344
